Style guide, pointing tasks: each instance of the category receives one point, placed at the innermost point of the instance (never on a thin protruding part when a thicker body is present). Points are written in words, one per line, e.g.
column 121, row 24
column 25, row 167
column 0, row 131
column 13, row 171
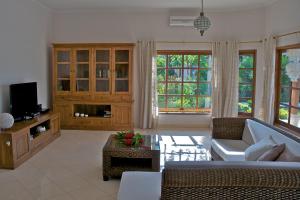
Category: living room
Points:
column 260, row 35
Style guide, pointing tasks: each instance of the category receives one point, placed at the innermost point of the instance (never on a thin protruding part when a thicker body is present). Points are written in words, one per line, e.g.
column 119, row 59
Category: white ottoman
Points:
column 140, row 186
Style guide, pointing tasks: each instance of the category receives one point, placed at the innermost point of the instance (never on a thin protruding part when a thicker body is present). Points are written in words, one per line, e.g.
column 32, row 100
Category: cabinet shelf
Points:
column 122, row 63
column 66, row 79
column 89, row 118
column 63, row 63
column 102, row 79
column 95, row 111
column 103, row 63
column 122, row 79
column 78, row 63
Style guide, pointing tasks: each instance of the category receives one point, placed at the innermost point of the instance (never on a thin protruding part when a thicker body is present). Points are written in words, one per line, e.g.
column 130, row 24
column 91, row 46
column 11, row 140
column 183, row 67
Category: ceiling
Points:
column 211, row 5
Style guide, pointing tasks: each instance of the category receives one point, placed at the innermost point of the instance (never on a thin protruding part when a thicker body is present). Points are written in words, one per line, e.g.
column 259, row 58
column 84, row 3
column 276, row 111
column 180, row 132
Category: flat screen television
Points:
column 23, row 100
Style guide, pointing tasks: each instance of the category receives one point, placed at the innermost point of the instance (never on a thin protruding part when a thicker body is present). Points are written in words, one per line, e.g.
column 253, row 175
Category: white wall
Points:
column 24, row 36
column 124, row 26
column 284, row 17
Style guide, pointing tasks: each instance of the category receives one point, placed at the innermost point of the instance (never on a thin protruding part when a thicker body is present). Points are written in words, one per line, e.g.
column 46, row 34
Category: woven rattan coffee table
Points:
column 118, row 157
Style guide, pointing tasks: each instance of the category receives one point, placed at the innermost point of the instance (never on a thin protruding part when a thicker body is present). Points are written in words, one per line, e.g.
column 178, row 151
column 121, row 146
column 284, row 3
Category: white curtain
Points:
column 148, row 107
column 268, row 100
column 218, row 53
column 231, row 80
column 225, row 79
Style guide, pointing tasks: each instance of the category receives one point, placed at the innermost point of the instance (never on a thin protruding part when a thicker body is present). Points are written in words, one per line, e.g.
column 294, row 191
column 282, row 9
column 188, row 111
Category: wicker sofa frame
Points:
column 231, row 180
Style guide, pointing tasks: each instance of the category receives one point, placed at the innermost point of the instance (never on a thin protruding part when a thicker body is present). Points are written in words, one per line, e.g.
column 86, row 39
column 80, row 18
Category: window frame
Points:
column 277, row 121
column 253, row 53
column 181, row 110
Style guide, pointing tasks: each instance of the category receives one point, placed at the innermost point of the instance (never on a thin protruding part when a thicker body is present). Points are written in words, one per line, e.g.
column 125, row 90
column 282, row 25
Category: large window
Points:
column 184, row 81
column 288, row 87
column 247, row 83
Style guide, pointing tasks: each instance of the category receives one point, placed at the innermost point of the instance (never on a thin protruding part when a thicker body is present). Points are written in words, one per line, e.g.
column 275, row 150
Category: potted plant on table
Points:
column 129, row 138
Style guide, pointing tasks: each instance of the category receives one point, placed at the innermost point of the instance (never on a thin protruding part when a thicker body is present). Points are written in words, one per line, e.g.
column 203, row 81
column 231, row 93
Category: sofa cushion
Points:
column 272, row 154
column 247, row 135
column 288, row 156
column 140, row 185
column 259, row 131
column 254, row 151
column 230, row 150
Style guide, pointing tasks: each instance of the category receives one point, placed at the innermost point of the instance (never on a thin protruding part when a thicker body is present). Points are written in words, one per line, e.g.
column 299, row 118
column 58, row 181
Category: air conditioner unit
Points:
column 182, row 20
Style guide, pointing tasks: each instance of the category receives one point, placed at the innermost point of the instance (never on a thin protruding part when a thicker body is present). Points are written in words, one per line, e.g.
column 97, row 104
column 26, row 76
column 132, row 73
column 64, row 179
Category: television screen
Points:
column 23, row 99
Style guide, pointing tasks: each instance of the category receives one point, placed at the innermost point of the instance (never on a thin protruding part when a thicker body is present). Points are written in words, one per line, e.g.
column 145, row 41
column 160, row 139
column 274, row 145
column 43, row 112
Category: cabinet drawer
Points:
column 40, row 140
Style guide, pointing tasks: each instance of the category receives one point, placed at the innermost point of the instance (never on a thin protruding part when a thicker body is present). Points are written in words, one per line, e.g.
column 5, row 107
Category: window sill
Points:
column 184, row 113
column 286, row 129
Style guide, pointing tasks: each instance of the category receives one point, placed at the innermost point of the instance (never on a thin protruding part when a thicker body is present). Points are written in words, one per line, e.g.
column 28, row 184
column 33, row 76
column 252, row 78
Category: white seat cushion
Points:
column 140, row 186
column 230, row 150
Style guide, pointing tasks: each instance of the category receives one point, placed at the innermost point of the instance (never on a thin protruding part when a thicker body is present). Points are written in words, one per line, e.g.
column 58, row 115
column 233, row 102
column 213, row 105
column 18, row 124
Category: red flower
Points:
column 129, row 135
column 128, row 142
column 141, row 141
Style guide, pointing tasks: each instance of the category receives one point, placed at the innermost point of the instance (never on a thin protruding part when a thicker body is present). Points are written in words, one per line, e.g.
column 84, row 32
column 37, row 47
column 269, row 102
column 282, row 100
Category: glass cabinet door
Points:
column 82, row 68
column 122, row 71
column 102, row 70
column 63, row 65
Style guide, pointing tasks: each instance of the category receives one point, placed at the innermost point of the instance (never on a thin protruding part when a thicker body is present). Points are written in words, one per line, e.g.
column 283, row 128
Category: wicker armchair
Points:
column 230, row 180
column 228, row 128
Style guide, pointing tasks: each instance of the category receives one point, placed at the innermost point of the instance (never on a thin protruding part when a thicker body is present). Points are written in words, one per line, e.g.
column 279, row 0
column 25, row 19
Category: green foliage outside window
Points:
column 246, row 83
column 245, row 107
column 283, row 113
column 182, row 83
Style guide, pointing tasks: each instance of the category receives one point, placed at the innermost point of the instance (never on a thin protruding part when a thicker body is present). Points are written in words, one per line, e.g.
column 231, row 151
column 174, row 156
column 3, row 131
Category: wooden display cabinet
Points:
column 89, row 77
column 22, row 141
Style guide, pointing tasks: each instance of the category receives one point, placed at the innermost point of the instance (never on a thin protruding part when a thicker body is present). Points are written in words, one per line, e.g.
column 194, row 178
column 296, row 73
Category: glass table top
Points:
column 182, row 148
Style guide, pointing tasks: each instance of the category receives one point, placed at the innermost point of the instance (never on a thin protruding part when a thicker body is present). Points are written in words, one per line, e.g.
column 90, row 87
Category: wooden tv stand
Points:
column 22, row 141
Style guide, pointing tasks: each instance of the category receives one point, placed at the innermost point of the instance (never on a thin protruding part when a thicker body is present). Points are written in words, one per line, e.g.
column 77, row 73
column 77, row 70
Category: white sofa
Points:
column 254, row 131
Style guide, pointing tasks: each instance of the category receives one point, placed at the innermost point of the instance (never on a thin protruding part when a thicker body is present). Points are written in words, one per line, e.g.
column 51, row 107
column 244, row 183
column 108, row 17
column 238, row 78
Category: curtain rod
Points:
column 209, row 42
column 195, row 42
column 287, row 34
column 242, row 42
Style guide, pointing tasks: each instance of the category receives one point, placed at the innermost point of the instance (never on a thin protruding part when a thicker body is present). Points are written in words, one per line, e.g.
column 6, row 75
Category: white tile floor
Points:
column 70, row 168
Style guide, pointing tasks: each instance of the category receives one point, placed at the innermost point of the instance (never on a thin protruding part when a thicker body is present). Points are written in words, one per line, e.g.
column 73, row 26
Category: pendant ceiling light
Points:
column 202, row 23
